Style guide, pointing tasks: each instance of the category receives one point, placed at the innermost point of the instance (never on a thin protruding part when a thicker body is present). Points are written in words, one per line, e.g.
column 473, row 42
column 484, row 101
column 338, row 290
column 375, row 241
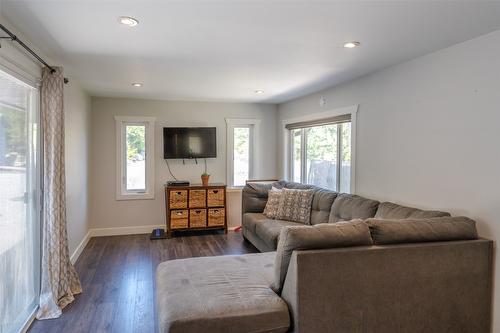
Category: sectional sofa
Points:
column 327, row 207
column 363, row 266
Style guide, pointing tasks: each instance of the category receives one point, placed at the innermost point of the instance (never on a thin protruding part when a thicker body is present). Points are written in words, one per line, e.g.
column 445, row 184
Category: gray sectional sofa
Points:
column 327, row 207
column 388, row 269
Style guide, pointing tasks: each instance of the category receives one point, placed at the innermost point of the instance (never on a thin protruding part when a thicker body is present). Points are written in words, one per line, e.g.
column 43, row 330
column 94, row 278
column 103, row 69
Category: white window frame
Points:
column 231, row 124
column 287, row 137
column 121, row 188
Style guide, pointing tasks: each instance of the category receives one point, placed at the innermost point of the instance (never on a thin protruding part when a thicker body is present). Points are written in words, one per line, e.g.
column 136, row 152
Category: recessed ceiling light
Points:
column 351, row 45
column 128, row 21
column 258, row 91
column 137, row 84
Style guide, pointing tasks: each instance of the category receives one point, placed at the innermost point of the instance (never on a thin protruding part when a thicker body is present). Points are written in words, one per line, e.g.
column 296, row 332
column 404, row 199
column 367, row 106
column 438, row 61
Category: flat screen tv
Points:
column 189, row 142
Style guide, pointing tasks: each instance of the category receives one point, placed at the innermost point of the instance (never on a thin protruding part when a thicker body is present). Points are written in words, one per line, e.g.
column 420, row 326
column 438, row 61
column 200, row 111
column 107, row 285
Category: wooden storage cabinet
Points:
column 195, row 207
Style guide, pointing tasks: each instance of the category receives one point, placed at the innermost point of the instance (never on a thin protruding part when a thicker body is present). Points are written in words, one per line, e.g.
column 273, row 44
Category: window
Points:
column 135, row 149
column 320, row 153
column 241, row 134
column 241, row 153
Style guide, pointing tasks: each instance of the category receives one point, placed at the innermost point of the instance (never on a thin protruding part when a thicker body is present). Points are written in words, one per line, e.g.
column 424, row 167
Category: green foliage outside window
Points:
column 136, row 142
column 346, row 142
column 322, row 142
column 241, row 140
column 13, row 134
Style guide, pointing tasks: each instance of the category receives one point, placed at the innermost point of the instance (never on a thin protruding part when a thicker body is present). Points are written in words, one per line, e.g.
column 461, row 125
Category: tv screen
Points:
column 189, row 142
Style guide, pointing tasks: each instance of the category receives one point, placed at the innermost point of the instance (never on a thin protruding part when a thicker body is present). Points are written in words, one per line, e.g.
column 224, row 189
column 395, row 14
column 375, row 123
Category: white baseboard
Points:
column 100, row 232
column 80, row 247
column 143, row 229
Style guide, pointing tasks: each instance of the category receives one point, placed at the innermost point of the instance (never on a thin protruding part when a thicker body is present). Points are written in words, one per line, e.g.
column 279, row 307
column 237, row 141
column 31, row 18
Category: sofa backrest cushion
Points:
column 422, row 230
column 322, row 205
column 348, row 207
column 297, row 186
column 320, row 236
column 295, row 205
column 389, row 210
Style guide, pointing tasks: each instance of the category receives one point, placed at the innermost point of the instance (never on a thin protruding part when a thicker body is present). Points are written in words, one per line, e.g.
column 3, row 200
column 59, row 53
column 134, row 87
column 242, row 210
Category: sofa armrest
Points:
column 254, row 196
column 425, row 287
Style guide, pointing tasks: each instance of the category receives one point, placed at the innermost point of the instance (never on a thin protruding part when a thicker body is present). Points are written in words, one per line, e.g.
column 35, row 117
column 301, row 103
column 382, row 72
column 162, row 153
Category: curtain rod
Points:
column 14, row 38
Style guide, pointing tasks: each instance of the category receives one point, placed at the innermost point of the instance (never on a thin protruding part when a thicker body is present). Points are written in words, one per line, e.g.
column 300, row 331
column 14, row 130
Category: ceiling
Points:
column 225, row 50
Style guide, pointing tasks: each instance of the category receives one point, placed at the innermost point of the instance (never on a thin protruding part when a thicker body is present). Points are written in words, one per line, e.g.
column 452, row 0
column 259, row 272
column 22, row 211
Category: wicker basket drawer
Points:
column 215, row 197
column 178, row 219
column 197, row 218
column 178, row 199
column 216, row 217
column 197, row 198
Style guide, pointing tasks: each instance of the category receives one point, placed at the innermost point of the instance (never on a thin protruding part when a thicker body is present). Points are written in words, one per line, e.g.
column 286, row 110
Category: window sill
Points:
column 234, row 188
column 142, row 196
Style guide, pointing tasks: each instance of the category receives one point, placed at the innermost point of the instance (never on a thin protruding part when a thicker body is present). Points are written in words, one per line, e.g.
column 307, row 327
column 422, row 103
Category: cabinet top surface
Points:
column 191, row 186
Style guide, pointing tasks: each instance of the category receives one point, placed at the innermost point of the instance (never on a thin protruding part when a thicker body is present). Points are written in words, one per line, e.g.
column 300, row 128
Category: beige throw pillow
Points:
column 295, row 205
column 273, row 201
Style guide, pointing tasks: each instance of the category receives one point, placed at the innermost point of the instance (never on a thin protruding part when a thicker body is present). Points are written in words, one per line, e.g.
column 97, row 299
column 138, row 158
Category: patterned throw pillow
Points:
column 273, row 201
column 295, row 205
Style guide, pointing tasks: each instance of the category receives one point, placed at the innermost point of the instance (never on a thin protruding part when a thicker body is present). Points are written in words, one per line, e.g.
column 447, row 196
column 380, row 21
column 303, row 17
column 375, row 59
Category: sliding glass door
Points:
column 19, row 203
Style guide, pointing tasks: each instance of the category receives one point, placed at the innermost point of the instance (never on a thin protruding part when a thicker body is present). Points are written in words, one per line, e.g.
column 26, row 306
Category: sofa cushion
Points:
column 219, row 294
column 250, row 220
column 322, row 205
column 269, row 230
column 348, row 207
column 295, row 186
column 389, row 210
column 422, row 230
column 320, row 236
column 295, row 205
column 273, row 202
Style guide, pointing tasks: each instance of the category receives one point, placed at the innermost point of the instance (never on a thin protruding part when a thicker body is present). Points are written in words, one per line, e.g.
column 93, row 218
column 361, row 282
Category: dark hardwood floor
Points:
column 118, row 280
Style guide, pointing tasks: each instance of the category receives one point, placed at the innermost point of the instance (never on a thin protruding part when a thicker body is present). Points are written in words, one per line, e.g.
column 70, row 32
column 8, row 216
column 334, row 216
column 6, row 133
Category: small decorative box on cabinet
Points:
column 196, row 207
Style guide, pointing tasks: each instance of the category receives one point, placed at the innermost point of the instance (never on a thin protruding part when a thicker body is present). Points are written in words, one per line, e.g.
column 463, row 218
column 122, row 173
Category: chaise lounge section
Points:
column 220, row 294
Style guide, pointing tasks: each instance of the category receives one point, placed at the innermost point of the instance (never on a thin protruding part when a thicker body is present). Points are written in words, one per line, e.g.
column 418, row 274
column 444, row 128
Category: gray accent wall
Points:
column 428, row 132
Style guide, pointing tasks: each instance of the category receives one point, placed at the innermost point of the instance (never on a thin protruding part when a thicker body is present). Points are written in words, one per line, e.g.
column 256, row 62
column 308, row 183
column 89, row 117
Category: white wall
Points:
column 429, row 132
column 106, row 212
column 77, row 105
column 234, row 205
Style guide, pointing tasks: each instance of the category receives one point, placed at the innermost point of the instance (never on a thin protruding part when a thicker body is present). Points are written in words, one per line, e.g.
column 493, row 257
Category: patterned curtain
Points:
column 59, row 279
